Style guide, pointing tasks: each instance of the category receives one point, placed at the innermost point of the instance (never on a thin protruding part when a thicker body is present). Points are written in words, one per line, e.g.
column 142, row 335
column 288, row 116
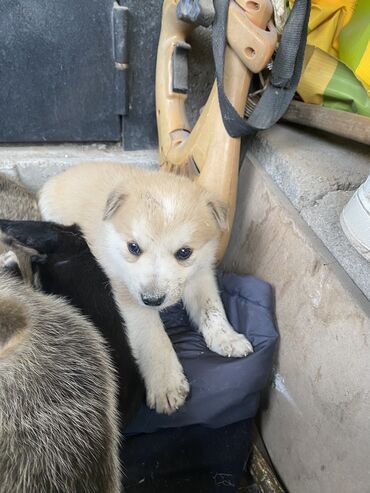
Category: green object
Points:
column 355, row 36
column 345, row 92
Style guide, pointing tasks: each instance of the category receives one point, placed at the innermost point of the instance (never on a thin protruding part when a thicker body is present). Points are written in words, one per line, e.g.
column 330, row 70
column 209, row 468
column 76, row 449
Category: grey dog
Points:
column 58, row 419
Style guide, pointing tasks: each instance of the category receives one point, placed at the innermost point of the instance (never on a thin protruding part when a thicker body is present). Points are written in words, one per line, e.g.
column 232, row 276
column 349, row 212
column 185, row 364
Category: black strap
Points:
column 285, row 74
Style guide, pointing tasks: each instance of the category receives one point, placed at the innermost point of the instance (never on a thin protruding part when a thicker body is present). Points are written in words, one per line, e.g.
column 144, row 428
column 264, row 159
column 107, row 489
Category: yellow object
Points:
column 363, row 69
column 327, row 19
column 311, row 85
column 337, row 59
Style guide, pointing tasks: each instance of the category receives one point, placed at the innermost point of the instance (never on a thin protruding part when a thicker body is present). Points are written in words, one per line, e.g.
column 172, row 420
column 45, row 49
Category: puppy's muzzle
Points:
column 153, row 300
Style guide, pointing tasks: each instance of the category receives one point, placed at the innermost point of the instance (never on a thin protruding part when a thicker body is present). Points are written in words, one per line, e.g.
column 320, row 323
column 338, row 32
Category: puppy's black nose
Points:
column 153, row 300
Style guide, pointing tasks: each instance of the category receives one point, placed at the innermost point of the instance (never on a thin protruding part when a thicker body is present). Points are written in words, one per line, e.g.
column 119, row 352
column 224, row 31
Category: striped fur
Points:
column 58, row 423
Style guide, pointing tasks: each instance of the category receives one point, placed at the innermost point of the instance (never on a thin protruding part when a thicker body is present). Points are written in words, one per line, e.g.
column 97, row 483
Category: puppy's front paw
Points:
column 168, row 393
column 222, row 339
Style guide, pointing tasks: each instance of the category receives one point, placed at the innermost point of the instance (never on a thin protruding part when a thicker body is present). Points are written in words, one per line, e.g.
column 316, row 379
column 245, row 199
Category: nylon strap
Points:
column 285, row 74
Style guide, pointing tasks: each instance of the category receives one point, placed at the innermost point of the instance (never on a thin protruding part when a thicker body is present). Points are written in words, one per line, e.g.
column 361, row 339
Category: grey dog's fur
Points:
column 16, row 202
column 58, row 421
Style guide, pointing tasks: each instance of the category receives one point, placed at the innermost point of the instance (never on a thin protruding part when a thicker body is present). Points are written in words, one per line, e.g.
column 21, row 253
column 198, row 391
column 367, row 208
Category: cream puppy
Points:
column 155, row 234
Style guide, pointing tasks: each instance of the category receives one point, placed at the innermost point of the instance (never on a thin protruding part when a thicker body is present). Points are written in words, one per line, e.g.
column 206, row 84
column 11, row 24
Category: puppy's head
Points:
column 160, row 231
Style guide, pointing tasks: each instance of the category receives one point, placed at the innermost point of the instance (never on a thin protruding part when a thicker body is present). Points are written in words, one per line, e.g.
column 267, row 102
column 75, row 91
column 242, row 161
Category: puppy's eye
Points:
column 134, row 249
column 183, row 253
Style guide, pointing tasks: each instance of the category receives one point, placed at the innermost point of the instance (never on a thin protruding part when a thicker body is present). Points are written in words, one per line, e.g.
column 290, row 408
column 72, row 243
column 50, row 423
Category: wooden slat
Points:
column 262, row 473
column 342, row 123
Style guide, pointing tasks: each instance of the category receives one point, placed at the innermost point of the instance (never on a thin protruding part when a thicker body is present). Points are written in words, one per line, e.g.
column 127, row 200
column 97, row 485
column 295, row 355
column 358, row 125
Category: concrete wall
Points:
column 33, row 165
column 317, row 425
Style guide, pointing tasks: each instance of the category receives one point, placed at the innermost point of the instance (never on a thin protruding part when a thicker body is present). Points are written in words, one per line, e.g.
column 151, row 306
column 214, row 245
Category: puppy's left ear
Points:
column 114, row 202
column 219, row 212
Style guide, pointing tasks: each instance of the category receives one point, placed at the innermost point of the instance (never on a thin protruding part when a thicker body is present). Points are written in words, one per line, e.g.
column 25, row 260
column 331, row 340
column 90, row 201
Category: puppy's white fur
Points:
column 115, row 204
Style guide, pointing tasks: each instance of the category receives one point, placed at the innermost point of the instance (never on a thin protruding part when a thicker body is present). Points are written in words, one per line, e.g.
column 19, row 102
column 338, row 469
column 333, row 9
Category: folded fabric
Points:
column 223, row 390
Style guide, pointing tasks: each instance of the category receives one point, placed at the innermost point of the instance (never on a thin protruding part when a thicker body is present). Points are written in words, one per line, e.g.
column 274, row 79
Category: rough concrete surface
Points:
column 316, row 427
column 33, row 165
column 318, row 173
column 323, row 217
column 307, row 165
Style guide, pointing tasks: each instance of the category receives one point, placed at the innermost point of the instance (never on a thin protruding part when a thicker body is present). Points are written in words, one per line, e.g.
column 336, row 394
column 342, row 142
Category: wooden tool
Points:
column 207, row 153
column 337, row 122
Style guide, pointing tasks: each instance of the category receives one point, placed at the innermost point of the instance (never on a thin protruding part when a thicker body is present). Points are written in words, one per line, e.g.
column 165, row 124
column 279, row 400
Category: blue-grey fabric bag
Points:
column 223, row 390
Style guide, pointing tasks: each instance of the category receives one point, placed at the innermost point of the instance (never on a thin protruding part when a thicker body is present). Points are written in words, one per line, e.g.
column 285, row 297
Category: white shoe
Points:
column 355, row 219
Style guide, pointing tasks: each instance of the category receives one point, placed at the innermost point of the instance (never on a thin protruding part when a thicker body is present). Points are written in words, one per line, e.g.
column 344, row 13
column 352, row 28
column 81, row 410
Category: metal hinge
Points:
column 121, row 60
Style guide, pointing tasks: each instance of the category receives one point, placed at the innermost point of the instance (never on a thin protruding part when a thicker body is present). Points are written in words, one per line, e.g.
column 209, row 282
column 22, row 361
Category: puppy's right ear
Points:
column 219, row 212
column 114, row 202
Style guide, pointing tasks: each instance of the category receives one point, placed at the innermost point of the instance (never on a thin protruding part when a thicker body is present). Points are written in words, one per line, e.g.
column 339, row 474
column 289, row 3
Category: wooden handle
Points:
column 207, row 153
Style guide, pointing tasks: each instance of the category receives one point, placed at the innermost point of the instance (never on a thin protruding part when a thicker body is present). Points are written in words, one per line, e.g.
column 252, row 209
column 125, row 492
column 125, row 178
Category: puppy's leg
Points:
column 165, row 382
column 204, row 305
